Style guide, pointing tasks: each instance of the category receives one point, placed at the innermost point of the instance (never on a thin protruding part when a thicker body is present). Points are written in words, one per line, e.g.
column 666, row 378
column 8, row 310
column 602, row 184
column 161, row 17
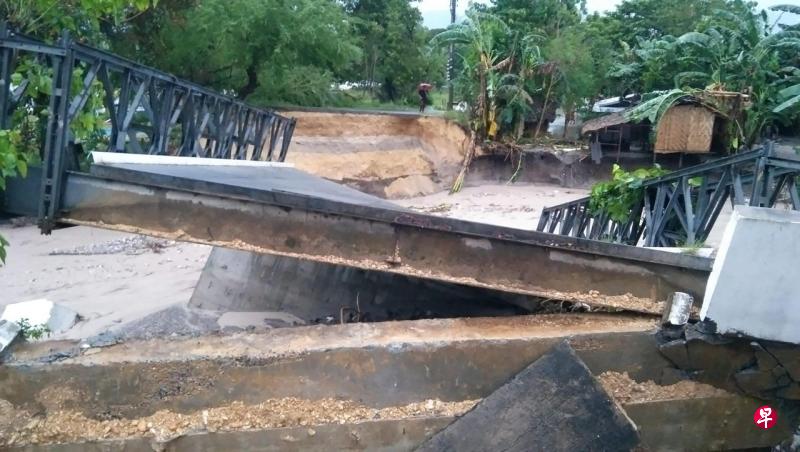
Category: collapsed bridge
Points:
column 270, row 208
column 218, row 178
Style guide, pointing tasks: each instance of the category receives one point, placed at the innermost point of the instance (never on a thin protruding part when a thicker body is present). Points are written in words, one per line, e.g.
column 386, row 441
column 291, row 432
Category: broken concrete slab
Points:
column 383, row 435
column 8, row 333
column 677, row 353
column 754, row 381
column 788, row 356
column 554, row 404
column 55, row 316
column 763, row 369
column 750, row 291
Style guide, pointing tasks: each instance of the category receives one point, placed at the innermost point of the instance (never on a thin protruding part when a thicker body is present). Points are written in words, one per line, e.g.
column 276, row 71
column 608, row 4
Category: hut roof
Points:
column 602, row 122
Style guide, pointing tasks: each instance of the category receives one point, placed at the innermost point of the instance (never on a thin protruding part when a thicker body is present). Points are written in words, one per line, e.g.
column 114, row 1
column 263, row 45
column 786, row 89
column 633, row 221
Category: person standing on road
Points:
column 422, row 90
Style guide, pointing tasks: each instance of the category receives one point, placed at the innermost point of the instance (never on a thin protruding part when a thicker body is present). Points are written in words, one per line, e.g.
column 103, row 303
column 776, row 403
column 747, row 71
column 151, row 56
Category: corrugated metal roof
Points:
column 602, row 122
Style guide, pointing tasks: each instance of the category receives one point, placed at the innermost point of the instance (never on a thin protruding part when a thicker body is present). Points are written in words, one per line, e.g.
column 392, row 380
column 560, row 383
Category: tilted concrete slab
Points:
column 553, row 404
column 754, row 289
column 286, row 212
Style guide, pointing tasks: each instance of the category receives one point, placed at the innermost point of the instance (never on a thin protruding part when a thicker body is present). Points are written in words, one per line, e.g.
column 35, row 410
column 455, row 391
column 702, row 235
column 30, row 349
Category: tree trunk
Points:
column 544, row 109
column 520, row 129
column 483, row 112
column 252, row 82
column 569, row 115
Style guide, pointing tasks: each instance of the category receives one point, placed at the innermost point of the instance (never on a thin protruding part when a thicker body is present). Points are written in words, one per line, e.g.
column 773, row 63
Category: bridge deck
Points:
column 280, row 210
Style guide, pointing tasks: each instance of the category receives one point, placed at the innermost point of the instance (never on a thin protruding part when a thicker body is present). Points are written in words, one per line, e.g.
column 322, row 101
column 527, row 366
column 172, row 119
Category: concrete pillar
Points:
column 754, row 287
column 235, row 280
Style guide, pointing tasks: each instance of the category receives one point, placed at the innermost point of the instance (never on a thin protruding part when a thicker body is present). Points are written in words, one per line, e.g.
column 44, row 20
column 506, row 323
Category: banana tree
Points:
column 740, row 54
column 481, row 42
column 790, row 99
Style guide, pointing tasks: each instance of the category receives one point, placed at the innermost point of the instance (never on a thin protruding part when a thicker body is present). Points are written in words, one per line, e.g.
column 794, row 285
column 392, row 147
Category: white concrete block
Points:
column 8, row 332
column 41, row 312
column 754, row 287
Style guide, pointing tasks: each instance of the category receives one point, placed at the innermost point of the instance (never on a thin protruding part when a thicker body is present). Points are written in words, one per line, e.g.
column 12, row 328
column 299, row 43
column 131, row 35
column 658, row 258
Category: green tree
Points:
column 395, row 56
column 578, row 74
column 236, row 45
column 545, row 17
column 738, row 53
column 46, row 19
column 518, row 88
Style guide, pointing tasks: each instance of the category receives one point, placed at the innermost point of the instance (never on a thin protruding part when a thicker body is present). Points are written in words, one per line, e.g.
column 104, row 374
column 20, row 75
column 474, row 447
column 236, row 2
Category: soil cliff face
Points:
column 393, row 156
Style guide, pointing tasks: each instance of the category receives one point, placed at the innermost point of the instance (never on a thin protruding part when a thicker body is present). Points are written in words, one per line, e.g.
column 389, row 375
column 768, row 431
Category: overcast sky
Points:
column 436, row 12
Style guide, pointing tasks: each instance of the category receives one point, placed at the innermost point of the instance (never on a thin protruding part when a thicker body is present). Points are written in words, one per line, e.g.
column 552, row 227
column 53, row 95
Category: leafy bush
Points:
column 624, row 191
column 12, row 163
column 28, row 331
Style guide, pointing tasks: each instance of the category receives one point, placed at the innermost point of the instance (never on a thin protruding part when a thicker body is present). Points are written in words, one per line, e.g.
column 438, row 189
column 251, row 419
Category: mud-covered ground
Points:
column 110, row 278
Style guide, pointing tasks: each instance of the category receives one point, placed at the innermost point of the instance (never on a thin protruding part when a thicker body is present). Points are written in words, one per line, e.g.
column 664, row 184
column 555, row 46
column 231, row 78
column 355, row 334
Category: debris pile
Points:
column 759, row 368
column 137, row 244
column 625, row 389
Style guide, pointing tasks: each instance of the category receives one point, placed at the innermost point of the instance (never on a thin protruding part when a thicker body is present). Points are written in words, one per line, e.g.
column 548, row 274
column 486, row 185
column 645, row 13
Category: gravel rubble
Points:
column 138, row 244
column 18, row 428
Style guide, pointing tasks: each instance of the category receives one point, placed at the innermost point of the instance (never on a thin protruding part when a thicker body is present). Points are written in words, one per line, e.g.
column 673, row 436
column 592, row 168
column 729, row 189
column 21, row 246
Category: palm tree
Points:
column 515, row 88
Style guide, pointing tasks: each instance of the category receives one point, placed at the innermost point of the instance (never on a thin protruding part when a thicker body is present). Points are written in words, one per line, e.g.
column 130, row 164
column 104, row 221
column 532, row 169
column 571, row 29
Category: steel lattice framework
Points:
column 680, row 208
column 143, row 105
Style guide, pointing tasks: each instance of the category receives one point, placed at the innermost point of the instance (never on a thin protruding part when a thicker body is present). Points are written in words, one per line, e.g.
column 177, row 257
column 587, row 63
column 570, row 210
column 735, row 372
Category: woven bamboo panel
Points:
column 685, row 128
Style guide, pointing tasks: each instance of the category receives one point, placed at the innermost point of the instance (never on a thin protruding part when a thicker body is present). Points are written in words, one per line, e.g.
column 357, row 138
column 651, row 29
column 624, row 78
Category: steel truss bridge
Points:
column 143, row 105
column 680, row 208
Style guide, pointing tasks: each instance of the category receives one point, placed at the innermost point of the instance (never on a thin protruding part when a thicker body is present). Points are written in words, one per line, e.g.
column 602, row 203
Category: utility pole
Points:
column 450, row 59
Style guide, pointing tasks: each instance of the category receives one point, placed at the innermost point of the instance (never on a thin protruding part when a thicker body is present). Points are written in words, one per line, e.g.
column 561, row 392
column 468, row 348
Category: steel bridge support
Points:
column 680, row 208
column 147, row 112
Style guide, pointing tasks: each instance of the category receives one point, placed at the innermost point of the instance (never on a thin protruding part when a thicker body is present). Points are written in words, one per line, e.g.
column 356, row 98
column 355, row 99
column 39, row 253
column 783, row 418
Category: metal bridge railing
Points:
column 148, row 111
column 680, row 208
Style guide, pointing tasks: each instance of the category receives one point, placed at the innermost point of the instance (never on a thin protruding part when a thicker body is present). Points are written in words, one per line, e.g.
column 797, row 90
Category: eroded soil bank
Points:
column 393, row 156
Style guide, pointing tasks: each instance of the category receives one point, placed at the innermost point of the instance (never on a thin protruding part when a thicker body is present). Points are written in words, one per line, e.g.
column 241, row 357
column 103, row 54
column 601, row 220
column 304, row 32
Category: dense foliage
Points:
column 553, row 58
column 622, row 193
